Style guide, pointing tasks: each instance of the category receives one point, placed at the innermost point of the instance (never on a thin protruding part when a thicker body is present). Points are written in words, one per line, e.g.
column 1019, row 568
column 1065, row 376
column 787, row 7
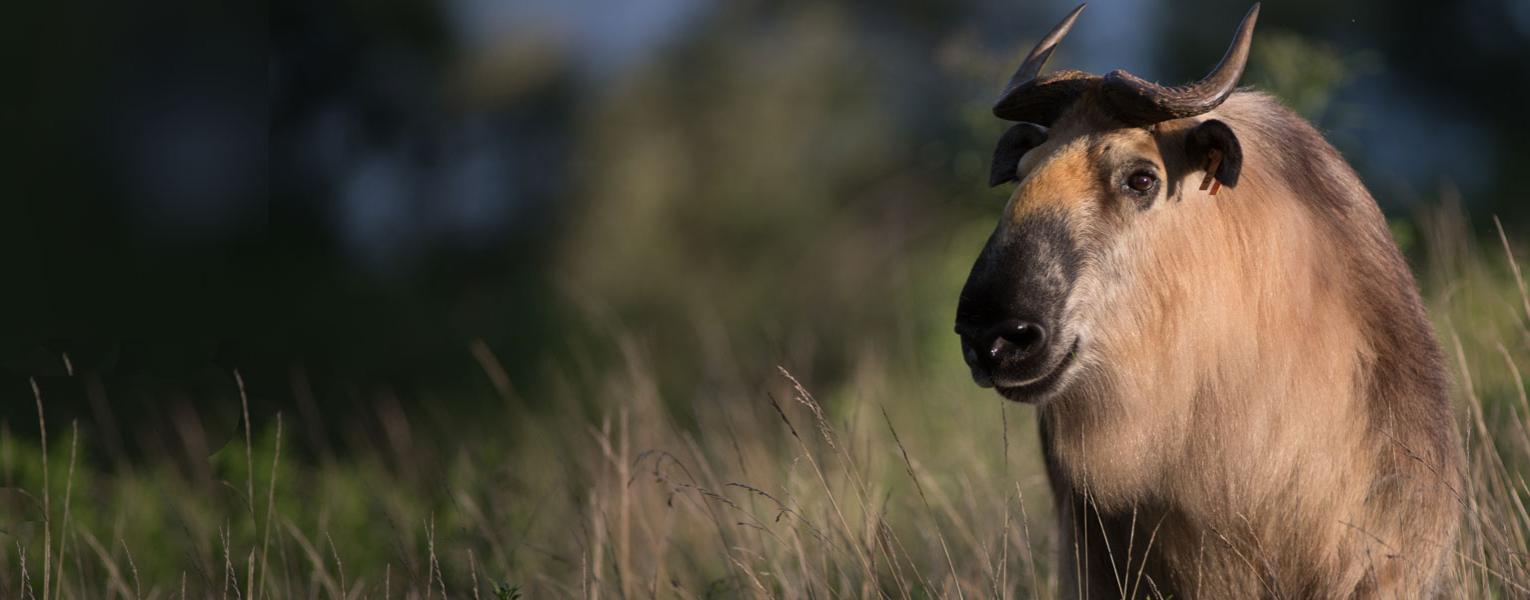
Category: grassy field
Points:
column 901, row 480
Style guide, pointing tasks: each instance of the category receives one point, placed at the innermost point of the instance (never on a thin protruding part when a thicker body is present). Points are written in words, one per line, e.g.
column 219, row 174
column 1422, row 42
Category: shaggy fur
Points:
column 1258, row 407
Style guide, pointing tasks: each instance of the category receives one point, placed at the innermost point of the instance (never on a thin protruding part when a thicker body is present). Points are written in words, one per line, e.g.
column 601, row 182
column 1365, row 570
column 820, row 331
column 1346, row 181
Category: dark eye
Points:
column 1142, row 182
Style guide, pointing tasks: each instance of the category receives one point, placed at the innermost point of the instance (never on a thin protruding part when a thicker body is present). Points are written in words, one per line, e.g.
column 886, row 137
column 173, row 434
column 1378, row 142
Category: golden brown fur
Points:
column 1260, row 408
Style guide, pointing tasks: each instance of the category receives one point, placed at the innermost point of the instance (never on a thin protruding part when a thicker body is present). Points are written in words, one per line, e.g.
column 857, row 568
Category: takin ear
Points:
column 1212, row 146
column 1013, row 145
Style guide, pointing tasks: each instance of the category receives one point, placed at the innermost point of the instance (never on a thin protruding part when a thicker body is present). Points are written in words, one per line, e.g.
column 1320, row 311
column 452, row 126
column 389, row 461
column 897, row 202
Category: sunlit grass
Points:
column 899, row 481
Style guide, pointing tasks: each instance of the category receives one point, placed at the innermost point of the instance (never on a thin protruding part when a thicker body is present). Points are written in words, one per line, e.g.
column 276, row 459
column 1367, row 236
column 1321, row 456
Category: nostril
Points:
column 1028, row 336
column 1017, row 339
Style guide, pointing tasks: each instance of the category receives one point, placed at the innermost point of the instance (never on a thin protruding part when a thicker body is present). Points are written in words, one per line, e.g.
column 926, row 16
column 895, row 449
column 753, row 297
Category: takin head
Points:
column 1092, row 155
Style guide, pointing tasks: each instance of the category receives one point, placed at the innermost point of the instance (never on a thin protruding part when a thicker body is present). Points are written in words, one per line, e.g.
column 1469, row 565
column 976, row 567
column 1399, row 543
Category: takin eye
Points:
column 1142, row 182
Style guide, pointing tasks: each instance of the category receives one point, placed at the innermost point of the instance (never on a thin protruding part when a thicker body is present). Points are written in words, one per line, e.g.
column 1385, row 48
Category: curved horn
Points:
column 1139, row 101
column 1016, row 102
column 1038, row 57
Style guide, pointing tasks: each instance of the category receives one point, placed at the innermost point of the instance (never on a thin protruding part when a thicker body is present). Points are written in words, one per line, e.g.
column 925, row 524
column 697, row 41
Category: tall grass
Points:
column 895, row 482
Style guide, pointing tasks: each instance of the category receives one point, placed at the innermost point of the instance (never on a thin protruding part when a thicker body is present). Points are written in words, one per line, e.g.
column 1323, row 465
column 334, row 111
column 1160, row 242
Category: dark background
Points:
column 385, row 201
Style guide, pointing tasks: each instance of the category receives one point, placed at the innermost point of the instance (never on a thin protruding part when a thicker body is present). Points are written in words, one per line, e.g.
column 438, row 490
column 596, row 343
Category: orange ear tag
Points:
column 1210, row 181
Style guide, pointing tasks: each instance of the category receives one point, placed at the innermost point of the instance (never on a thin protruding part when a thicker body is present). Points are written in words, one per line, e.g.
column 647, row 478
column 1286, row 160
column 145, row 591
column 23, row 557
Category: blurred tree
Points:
column 784, row 177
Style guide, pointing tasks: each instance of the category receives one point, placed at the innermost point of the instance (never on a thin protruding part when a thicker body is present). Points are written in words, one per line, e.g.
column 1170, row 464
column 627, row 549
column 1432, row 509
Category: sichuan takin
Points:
column 1238, row 390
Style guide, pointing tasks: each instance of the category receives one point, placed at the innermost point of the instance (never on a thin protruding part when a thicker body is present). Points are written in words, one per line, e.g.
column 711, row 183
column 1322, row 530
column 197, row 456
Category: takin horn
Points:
column 1034, row 99
column 1141, row 102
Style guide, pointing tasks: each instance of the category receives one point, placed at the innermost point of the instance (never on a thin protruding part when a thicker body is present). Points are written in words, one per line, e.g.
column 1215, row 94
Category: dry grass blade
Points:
column 492, row 368
column 1519, row 278
column 74, row 439
column 1030, row 553
column 42, row 429
column 26, row 579
column 132, row 566
column 1104, row 537
column 473, row 569
column 265, row 542
column 249, row 452
column 339, row 564
column 909, row 465
column 1142, row 568
column 435, row 565
column 315, row 560
column 828, row 489
column 229, row 577
column 114, row 578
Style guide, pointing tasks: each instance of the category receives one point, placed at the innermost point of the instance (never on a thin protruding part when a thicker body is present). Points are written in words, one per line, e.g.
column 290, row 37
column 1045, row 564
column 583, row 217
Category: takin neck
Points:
column 1247, row 336
column 1251, row 355
column 1222, row 339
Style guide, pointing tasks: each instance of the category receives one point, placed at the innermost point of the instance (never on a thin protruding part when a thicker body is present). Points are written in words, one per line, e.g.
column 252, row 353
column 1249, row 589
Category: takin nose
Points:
column 1009, row 346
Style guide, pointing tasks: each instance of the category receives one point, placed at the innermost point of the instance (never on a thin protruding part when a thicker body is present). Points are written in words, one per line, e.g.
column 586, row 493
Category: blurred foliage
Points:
column 1302, row 73
column 480, row 252
column 470, row 204
column 758, row 190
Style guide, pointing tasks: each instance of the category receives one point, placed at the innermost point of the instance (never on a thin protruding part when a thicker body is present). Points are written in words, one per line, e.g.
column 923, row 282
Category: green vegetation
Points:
column 733, row 376
column 904, row 480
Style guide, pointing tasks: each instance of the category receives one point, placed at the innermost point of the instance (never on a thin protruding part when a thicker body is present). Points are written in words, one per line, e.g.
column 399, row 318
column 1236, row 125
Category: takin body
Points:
column 1238, row 390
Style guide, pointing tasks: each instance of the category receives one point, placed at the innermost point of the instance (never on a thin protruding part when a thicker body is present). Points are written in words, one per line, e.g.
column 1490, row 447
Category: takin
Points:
column 1238, row 391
